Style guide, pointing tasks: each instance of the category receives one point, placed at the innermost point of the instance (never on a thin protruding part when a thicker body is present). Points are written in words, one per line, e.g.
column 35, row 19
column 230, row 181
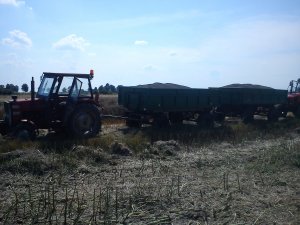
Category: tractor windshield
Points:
column 45, row 87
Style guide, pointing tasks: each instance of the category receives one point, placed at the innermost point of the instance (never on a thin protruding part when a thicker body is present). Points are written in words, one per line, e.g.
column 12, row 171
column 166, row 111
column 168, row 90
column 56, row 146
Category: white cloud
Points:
column 17, row 39
column 71, row 42
column 12, row 2
column 141, row 43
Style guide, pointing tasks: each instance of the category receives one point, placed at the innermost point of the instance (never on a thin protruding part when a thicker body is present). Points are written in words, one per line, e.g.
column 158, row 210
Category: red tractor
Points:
column 64, row 102
column 294, row 97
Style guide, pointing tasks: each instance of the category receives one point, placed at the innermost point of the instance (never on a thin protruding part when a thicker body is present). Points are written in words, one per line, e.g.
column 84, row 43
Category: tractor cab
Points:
column 64, row 86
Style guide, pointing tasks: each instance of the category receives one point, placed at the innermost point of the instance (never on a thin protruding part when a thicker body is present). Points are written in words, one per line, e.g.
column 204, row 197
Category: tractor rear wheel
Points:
column 85, row 121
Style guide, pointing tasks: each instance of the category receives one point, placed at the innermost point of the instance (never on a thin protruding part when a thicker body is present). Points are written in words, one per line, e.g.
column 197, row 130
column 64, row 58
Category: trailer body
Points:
column 164, row 100
column 185, row 102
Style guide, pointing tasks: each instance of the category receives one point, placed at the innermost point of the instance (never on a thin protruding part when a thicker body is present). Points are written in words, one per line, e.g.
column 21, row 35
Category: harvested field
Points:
column 128, row 176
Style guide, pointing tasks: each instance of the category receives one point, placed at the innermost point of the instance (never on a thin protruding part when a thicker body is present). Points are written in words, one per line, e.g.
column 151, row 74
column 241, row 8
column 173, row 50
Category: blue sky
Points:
column 190, row 42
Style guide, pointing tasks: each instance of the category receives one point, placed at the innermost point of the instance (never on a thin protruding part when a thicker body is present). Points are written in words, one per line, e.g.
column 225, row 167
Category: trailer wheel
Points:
column 85, row 121
column 248, row 116
column 161, row 120
column 206, row 120
column 176, row 118
column 25, row 132
column 219, row 117
column 297, row 112
column 273, row 115
column 133, row 123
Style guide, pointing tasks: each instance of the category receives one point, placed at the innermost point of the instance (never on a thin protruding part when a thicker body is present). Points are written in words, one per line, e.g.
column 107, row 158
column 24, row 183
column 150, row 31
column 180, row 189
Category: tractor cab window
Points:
column 294, row 87
column 45, row 87
column 76, row 88
column 65, row 87
column 85, row 88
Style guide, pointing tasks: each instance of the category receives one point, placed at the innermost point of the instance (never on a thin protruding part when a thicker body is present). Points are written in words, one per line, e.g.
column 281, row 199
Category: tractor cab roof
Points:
column 79, row 75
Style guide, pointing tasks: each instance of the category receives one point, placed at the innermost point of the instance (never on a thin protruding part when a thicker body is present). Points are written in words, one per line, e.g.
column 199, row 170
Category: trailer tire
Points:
column 273, row 115
column 219, row 117
column 206, row 120
column 176, row 118
column 85, row 121
column 133, row 123
column 297, row 112
column 248, row 116
column 161, row 120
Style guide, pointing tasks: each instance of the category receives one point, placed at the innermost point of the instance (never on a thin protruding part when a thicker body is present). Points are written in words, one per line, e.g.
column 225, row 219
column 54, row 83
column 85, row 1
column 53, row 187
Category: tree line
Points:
column 107, row 89
column 11, row 88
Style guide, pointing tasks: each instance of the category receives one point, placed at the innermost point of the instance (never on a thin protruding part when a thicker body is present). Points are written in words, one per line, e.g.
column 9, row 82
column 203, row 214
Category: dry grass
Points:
column 110, row 105
column 216, row 184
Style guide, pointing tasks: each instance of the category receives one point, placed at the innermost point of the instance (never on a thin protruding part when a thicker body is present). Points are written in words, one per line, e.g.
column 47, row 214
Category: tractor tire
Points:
column 25, row 132
column 85, row 121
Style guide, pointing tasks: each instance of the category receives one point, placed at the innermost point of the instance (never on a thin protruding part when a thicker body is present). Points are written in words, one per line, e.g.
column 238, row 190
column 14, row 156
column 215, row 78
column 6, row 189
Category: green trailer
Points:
column 164, row 100
column 164, row 105
column 246, row 102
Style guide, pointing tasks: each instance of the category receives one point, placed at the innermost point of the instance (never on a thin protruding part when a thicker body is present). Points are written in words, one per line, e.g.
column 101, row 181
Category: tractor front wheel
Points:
column 85, row 121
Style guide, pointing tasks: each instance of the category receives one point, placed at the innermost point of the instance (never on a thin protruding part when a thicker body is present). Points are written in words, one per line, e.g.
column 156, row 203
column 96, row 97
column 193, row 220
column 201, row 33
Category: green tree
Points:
column 25, row 87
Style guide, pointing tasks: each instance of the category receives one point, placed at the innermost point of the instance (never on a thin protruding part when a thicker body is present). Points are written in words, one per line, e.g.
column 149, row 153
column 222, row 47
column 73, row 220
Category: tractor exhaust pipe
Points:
column 32, row 89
